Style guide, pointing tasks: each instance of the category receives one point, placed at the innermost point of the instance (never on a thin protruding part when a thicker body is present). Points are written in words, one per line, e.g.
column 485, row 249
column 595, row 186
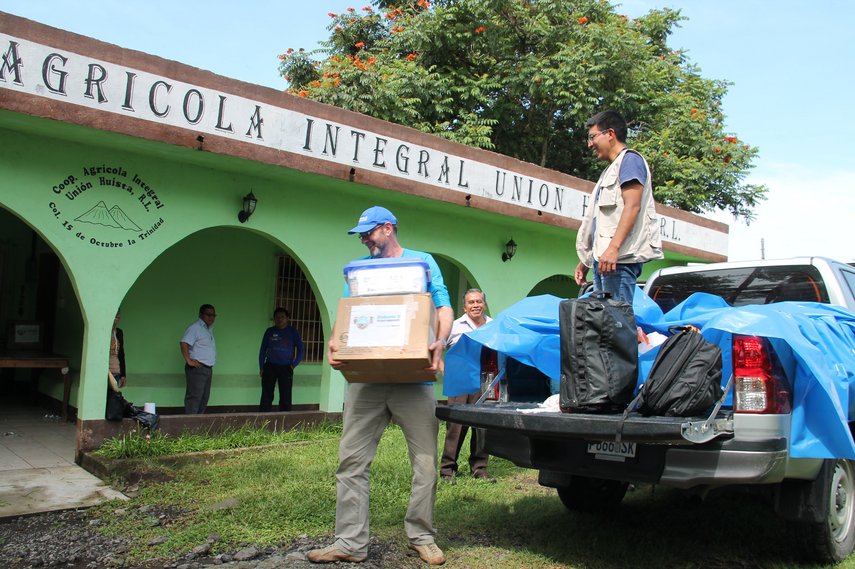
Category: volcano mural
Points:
column 113, row 217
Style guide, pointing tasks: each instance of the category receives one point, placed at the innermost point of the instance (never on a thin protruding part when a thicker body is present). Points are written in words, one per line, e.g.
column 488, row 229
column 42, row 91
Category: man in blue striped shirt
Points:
column 281, row 351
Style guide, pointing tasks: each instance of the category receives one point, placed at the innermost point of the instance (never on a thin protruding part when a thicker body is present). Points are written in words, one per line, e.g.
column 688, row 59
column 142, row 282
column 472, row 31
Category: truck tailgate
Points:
column 588, row 426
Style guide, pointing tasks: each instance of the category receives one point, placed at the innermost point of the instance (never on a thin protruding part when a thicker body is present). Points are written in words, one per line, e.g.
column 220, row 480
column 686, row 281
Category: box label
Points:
column 377, row 326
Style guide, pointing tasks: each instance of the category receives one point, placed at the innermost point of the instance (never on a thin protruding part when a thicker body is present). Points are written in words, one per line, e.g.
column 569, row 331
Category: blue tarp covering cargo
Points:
column 816, row 342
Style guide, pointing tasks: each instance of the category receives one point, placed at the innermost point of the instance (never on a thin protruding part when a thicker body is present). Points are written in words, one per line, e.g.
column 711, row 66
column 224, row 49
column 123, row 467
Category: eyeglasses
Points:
column 214, row 314
column 591, row 137
column 366, row 234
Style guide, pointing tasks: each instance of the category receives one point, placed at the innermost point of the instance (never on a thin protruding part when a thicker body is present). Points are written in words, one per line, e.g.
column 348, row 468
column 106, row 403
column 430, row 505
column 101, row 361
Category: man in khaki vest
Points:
column 620, row 232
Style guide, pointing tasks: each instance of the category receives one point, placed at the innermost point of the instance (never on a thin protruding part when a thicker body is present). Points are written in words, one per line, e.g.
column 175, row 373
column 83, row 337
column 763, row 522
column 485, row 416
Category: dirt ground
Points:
column 70, row 539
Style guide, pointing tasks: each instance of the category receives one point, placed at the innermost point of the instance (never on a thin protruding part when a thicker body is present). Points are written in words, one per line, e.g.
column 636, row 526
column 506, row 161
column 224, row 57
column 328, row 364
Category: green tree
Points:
column 521, row 77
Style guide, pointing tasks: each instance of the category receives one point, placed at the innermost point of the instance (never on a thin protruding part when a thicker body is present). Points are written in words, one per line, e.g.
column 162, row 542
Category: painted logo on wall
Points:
column 106, row 206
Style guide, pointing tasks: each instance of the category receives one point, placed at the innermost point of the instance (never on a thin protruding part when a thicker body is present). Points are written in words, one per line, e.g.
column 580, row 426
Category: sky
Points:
column 791, row 65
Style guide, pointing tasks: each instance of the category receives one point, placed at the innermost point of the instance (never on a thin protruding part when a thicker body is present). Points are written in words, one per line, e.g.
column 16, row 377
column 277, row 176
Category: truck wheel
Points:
column 833, row 539
column 592, row 494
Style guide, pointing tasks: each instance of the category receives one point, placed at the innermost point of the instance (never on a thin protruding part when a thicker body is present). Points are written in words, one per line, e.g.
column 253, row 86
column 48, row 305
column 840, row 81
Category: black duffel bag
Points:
column 599, row 354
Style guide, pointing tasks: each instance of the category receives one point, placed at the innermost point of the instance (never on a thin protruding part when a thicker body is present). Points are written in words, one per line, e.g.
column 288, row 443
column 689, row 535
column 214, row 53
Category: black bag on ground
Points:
column 599, row 354
column 119, row 408
column 116, row 404
column 148, row 420
column 685, row 379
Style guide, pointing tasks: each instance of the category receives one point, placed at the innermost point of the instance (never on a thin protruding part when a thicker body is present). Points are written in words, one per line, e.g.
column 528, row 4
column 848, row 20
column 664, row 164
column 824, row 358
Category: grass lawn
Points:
column 279, row 494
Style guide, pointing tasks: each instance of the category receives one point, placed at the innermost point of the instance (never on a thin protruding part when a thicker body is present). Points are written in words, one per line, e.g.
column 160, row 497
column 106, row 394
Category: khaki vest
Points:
column 643, row 242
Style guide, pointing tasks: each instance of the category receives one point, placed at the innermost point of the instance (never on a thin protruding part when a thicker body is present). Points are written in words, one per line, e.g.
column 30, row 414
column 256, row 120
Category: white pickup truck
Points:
column 744, row 445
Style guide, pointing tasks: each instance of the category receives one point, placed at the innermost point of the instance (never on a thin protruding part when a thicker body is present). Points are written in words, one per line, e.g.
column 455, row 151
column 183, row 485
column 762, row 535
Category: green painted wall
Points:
column 201, row 253
column 230, row 268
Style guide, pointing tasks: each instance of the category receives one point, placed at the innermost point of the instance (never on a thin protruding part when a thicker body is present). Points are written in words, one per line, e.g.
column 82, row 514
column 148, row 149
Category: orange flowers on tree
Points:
column 409, row 82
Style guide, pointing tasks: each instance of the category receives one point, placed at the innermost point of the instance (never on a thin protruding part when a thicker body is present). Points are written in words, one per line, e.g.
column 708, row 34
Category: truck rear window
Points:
column 741, row 286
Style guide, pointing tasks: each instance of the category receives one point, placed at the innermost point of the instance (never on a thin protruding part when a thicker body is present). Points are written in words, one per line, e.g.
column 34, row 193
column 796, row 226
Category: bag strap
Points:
column 718, row 404
column 673, row 330
column 706, row 431
column 629, row 409
column 490, row 387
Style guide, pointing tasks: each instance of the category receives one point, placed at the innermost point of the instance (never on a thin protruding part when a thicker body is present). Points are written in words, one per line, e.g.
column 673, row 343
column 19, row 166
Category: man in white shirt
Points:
column 200, row 354
column 474, row 304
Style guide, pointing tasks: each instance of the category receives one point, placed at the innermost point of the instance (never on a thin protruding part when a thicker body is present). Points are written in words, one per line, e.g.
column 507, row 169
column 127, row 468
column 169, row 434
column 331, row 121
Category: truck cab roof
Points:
column 803, row 279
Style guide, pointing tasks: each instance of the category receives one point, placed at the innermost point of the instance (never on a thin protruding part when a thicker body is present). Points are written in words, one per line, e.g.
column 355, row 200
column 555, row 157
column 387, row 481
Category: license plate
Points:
column 611, row 450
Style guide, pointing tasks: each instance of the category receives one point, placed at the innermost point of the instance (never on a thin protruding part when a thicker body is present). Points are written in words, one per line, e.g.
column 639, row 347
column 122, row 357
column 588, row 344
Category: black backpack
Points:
column 599, row 354
column 685, row 379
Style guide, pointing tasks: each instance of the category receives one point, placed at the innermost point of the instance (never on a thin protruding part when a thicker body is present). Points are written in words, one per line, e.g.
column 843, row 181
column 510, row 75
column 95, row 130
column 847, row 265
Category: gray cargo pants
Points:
column 368, row 409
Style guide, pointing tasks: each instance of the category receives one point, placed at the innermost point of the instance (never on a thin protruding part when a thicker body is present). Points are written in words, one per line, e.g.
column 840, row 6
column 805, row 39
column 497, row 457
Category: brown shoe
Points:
column 332, row 554
column 430, row 553
column 481, row 475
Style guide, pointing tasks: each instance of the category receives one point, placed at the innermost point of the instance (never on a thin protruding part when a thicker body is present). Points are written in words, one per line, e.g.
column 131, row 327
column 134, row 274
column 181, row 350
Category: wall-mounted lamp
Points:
column 510, row 250
column 249, row 203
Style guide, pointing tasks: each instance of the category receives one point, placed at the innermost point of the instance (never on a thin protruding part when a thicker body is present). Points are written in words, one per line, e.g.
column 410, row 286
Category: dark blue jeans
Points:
column 620, row 283
column 273, row 374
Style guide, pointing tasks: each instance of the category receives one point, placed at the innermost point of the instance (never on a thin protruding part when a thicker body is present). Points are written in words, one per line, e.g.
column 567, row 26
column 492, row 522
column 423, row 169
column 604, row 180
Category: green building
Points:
column 121, row 178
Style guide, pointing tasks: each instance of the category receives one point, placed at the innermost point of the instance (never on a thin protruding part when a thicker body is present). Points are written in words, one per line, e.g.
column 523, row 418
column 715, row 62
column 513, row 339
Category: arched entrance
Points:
column 41, row 330
column 562, row 286
column 458, row 278
column 245, row 275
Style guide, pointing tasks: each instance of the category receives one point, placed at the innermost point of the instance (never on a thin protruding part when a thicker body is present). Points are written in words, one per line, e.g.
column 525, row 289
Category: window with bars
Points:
column 294, row 293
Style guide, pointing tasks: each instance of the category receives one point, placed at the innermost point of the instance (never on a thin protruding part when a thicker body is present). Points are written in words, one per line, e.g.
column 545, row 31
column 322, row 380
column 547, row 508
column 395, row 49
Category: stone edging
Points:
column 103, row 467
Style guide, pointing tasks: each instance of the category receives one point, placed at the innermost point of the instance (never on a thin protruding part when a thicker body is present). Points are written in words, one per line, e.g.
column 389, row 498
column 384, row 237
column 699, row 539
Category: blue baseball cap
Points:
column 371, row 218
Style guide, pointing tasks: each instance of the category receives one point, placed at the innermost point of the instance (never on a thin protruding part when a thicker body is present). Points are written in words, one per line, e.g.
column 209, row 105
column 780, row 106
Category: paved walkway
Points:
column 37, row 469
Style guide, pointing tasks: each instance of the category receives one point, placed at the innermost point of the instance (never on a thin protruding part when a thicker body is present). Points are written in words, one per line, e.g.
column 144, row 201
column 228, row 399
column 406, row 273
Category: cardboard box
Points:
column 385, row 339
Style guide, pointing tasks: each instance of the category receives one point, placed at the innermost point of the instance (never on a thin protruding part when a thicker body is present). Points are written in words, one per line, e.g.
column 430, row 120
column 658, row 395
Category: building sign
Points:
column 65, row 76
column 106, row 206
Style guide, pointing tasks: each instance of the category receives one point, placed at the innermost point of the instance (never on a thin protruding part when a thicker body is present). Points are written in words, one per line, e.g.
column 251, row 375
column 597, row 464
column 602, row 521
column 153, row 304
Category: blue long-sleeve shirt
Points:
column 281, row 346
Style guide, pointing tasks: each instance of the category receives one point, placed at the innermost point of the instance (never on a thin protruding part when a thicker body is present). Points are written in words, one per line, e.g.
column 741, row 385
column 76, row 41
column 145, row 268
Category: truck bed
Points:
column 588, row 426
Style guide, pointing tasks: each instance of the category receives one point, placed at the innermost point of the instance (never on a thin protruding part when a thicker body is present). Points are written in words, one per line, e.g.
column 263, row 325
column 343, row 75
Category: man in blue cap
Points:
column 368, row 409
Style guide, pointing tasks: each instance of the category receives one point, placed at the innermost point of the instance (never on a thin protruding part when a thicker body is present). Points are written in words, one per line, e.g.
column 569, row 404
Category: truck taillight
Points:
column 758, row 386
column 489, row 370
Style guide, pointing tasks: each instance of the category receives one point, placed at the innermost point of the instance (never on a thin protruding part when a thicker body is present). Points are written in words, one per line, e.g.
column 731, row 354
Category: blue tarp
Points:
column 816, row 343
